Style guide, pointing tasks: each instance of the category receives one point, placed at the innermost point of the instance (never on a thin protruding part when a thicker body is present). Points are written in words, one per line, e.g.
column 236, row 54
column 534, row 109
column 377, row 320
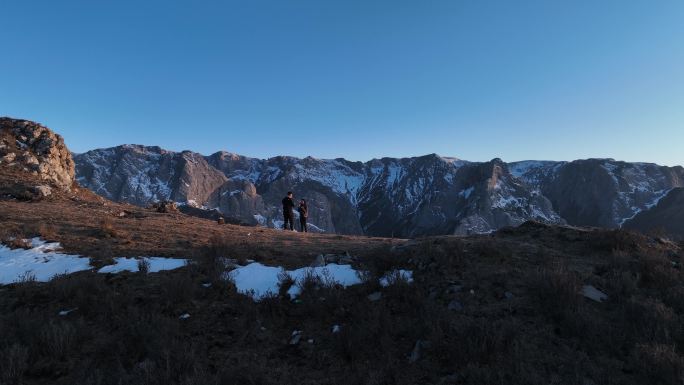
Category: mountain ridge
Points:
column 412, row 196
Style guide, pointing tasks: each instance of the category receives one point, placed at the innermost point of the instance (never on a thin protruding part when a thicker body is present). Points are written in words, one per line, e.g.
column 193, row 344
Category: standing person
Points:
column 303, row 215
column 288, row 214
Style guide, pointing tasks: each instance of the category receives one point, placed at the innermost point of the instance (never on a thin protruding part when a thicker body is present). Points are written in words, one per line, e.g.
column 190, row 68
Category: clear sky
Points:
column 474, row 79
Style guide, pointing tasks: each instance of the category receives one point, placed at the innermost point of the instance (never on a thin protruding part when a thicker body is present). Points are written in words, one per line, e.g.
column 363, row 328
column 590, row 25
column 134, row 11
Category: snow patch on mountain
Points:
column 333, row 174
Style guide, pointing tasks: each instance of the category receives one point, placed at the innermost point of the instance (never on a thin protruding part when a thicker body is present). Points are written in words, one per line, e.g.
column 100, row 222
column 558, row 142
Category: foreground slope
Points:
column 502, row 308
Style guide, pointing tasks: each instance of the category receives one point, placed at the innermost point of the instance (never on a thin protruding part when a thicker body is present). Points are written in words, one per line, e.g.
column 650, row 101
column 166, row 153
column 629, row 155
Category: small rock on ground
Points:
column 455, row 305
column 593, row 293
column 296, row 337
column 375, row 296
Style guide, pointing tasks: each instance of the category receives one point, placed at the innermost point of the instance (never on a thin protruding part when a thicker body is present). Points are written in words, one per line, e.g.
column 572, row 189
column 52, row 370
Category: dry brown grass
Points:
column 521, row 319
column 89, row 225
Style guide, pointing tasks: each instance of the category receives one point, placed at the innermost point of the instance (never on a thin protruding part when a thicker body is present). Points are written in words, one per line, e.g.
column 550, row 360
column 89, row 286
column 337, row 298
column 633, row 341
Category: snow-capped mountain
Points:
column 141, row 175
column 383, row 197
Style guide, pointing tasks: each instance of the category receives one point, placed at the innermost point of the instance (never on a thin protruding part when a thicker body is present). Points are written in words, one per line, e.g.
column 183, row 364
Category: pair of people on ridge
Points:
column 288, row 213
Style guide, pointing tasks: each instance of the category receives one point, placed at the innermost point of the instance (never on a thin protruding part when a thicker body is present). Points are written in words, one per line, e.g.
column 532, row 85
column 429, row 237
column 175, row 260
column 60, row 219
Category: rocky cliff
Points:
column 665, row 218
column 600, row 192
column 29, row 147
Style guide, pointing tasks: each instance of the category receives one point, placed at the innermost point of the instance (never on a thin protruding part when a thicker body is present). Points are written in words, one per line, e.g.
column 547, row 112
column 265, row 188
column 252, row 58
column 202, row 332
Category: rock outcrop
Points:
column 30, row 147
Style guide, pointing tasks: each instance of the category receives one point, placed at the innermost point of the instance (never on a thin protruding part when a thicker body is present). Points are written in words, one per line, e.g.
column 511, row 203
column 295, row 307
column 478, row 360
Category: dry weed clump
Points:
column 659, row 364
column 107, row 228
column 18, row 243
column 557, row 289
column 48, row 232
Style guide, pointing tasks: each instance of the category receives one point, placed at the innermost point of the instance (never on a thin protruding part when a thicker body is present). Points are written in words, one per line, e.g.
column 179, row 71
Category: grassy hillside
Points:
column 500, row 309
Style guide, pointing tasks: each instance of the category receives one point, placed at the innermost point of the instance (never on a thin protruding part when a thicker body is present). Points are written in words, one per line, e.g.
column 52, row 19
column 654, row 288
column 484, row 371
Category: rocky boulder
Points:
column 31, row 147
column 238, row 198
column 165, row 207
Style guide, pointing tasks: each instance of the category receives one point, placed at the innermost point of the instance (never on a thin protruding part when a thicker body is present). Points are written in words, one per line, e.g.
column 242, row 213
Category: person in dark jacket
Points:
column 288, row 214
column 303, row 215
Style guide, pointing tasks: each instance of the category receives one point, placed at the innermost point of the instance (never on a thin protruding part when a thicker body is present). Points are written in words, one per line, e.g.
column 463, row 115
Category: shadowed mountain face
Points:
column 600, row 192
column 404, row 197
column 666, row 217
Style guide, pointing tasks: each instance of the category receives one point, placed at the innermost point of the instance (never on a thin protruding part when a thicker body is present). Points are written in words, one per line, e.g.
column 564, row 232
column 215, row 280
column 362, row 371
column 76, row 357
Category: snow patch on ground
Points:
column 156, row 264
column 257, row 280
column 42, row 262
column 277, row 224
column 344, row 275
column 395, row 276
column 261, row 220
column 260, row 281
column 315, row 228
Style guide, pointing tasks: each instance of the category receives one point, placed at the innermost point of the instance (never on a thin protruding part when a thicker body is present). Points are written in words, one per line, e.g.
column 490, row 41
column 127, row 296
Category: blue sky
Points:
column 356, row 79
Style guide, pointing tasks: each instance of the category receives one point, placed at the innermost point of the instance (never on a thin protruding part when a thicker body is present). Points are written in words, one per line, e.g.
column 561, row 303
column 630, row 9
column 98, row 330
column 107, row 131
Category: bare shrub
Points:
column 219, row 246
column 657, row 271
column 13, row 363
column 659, row 364
column 650, row 320
column 86, row 291
column 211, row 261
column 17, row 243
column 48, row 232
column 620, row 275
column 248, row 373
column 107, row 229
column 26, row 278
column 310, row 282
column 369, row 333
column 285, row 283
column 177, row 289
column 143, row 266
column 321, row 296
column 621, row 285
column 382, row 260
column 616, row 240
column 489, row 250
column 674, row 298
column 557, row 289
column 57, row 339
column 482, row 342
